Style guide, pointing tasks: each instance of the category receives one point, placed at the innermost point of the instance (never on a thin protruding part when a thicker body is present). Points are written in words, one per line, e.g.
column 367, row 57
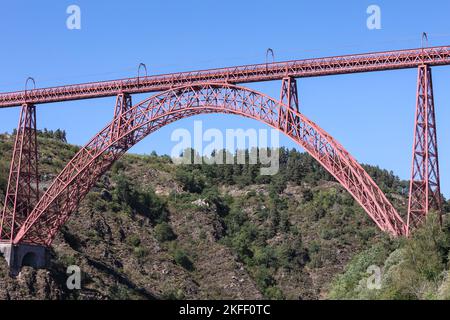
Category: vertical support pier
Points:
column 22, row 194
column 121, row 120
column 288, row 97
column 424, row 191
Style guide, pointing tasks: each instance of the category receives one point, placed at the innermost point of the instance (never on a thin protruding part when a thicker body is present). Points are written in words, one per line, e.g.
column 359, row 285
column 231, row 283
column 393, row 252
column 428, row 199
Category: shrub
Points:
column 123, row 191
column 145, row 203
column 134, row 240
column 344, row 286
column 140, row 252
column 148, row 204
column 191, row 181
column 213, row 197
column 264, row 278
column 163, row 232
column 182, row 259
column 414, row 270
column 67, row 260
column 264, row 256
column 292, row 254
column 274, row 293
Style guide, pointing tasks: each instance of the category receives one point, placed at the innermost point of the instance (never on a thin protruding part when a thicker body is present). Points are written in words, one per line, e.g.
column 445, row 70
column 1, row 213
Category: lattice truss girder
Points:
column 240, row 74
column 76, row 179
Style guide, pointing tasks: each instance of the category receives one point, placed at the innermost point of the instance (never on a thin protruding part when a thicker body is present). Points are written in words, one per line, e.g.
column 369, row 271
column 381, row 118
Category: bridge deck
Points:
column 377, row 61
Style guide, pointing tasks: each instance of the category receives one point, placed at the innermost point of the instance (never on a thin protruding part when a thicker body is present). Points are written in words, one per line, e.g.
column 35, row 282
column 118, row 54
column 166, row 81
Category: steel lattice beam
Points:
column 424, row 193
column 81, row 173
column 377, row 61
column 22, row 192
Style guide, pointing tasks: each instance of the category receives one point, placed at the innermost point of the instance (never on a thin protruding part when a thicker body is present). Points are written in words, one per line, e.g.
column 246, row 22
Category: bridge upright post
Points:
column 22, row 192
column 424, row 191
column 289, row 97
column 123, row 104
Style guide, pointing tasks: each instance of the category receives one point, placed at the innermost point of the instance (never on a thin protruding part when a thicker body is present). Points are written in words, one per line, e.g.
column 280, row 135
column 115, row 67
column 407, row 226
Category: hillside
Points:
column 415, row 268
column 151, row 229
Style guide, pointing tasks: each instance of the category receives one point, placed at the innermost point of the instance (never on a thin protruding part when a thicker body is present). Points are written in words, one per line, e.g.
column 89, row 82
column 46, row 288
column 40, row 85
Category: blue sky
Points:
column 371, row 114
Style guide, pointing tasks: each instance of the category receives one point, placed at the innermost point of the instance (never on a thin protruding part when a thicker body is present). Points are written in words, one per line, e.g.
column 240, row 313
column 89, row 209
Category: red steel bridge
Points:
column 31, row 218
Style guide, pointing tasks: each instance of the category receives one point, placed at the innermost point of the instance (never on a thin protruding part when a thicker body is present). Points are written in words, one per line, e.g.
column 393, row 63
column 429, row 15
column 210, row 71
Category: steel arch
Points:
column 131, row 126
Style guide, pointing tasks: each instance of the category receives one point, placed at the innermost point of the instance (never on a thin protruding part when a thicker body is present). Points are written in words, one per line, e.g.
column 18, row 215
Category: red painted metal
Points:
column 123, row 104
column 24, row 219
column 288, row 97
column 94, row 159
column 241, row 74
column 424, row 193
column 22, row 192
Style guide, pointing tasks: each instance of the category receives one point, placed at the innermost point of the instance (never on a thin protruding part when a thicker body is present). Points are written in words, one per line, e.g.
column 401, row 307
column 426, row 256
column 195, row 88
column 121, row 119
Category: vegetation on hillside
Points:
column 413, row 268
column 153, row 229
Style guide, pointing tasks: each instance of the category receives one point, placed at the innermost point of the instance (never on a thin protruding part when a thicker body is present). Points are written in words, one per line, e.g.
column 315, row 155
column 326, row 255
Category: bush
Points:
column 213, row 197
column 173, row 294
column 134, row 240
column 427, row 250
column 274, row 293
column 140, row 252
column 145, row 203
column 292, row 255
column 163, row 232
column 191, row 181
column 148, row 204
column 264, row 256
column 413, row 269
column 123, row 192
column 263, row 278
column 67, row 260
column 344, row 285
column 182, row 259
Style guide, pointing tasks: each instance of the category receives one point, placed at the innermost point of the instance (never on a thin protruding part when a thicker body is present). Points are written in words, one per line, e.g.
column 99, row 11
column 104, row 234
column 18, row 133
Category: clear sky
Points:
column 371, row 114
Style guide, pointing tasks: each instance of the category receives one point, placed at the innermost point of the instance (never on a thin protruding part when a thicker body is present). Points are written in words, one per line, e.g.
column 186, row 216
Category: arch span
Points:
column 127, row 129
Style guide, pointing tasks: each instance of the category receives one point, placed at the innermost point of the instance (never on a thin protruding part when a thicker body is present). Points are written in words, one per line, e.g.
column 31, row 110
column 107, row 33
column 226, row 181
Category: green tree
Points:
column 191, row 181
column 123, row 191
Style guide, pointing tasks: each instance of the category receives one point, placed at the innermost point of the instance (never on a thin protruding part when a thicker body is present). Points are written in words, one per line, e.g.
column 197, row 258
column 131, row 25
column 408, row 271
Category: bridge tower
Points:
column 424, row 192
column 23, row 186
column 22, row 194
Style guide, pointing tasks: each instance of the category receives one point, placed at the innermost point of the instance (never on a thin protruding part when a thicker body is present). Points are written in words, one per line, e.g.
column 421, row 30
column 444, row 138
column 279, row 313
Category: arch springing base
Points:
column 18, row 255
